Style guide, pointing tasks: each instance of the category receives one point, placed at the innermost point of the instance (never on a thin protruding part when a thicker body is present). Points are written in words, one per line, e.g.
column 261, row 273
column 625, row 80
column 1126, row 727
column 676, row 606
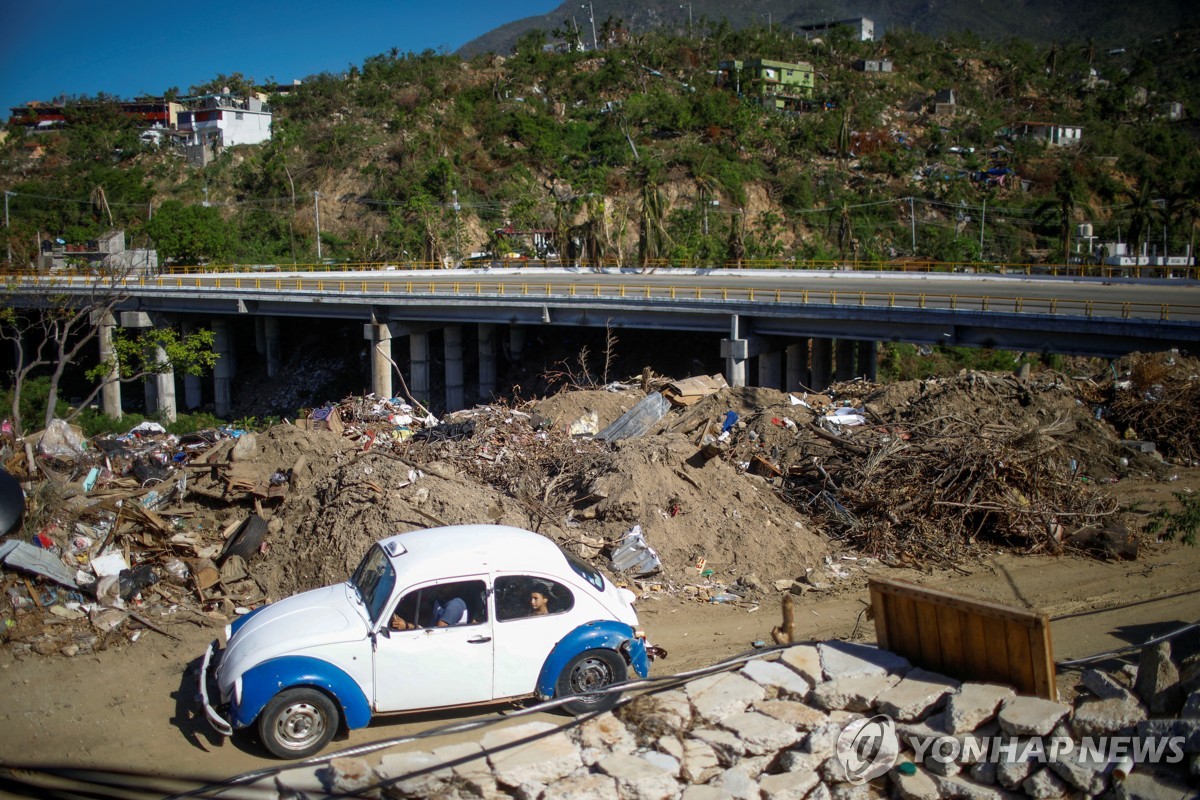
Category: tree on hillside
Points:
column 189, row 234
column 52, row 326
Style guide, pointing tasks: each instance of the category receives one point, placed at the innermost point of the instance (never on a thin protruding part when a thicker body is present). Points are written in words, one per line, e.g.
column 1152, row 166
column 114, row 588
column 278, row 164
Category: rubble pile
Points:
column 727, row 494
column 791, row 725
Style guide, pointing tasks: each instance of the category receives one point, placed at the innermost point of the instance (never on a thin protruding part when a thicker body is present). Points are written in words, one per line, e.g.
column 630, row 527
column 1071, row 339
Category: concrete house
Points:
column 1051, row 134
column 781, row 85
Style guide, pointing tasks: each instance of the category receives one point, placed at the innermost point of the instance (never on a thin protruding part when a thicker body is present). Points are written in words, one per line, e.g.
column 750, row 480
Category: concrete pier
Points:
column 487, row 361
column 822, row 364
column 798, row 375
column 110, row 393
column 452, row 345
column 224, row 370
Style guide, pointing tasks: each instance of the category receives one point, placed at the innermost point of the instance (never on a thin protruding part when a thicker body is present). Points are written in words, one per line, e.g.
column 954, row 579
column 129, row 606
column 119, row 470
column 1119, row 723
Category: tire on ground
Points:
column 588, row 671
column 297, row 723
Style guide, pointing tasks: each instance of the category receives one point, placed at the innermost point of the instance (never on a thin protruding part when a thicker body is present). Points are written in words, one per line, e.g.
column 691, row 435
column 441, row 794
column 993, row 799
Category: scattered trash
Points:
column 634, row 555
column 637, row 421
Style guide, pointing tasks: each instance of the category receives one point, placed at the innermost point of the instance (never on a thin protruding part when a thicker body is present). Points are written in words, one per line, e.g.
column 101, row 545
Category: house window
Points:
column 239, row 115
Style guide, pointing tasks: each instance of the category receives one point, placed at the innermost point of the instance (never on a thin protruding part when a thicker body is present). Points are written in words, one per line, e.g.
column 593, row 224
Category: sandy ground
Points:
column 132, row 708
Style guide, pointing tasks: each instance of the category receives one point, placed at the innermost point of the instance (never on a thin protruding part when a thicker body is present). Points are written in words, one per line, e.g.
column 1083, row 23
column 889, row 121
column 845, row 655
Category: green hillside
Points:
column 633, row 153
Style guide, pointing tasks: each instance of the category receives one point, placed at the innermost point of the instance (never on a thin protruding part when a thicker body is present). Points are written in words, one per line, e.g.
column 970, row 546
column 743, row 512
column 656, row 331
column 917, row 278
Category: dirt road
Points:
column 133, row 708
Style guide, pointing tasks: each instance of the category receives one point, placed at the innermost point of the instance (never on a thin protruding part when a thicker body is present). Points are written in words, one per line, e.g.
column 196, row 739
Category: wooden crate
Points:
column 965, row 638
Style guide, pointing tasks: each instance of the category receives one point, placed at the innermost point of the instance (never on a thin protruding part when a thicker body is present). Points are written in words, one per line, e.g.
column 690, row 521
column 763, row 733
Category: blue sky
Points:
column 133, row 47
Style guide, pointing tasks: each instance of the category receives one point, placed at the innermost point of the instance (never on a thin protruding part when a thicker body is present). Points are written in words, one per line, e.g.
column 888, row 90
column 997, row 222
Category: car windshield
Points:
column 374, row 579
column 584, row 571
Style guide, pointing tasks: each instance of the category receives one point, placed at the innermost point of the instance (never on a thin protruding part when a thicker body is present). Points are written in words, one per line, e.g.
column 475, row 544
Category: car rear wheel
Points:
column 587, row 672
column 297, row 723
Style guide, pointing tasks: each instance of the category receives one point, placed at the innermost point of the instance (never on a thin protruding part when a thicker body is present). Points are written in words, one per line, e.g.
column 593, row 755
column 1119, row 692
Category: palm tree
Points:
column 651, row 233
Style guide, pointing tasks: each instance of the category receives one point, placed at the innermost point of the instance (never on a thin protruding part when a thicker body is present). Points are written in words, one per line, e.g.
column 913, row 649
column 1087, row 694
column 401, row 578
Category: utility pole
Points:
column 457, row 246
column 689, row 8
column 592, row 18
column 982, row 223
column 7, row 232
column 317, row 214
column 912, row 218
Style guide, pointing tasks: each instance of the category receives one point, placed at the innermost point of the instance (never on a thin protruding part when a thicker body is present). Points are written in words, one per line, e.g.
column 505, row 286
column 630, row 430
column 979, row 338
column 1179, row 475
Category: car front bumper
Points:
column 209, row 662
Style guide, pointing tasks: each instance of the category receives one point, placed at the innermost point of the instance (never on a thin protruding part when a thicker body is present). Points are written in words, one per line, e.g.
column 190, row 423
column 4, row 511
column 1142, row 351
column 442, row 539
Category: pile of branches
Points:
column 937, row 490
column 1160, row 407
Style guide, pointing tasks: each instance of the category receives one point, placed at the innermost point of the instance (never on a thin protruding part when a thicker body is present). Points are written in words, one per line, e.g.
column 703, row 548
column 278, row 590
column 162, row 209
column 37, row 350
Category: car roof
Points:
column 471, row 549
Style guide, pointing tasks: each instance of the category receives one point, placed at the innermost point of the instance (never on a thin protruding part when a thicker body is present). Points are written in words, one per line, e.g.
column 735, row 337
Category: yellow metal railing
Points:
column 500, row 287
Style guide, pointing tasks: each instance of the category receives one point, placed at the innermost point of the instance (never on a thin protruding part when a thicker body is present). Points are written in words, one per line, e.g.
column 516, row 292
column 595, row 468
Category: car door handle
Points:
column 479, row 640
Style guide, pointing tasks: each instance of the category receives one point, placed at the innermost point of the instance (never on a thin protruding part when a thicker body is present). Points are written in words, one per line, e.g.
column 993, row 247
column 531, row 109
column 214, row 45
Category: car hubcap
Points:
column 299, row 726
column 590, row 675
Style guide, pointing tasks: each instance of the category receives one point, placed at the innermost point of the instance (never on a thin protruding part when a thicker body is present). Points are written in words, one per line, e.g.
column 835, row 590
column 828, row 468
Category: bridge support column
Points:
column 380, row 337
column 456, row 396
column 770, row 375
column 418, row 356
column 193, row 390
column 271, row 346
column 260, row 335
column 797, row 367
column 487, row 361
column 822, row 364
column 516, row 342
column 868, row 360
column 735, row 351
column 223, row 370
column 844, row 359
column 110, row 393
column 164, row 388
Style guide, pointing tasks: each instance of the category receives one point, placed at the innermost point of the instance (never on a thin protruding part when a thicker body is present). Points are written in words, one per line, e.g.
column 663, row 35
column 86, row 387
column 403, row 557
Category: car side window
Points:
column 525, row 596
column 442, row 605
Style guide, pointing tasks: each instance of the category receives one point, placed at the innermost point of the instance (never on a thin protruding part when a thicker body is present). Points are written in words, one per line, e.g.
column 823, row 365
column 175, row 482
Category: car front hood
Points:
column 326, row 616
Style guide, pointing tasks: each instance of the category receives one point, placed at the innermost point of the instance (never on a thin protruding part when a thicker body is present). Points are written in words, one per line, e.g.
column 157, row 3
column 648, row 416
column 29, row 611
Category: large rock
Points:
column 715, row 697
column 589, row 786
column 958, row 787
column 654, row 715
column 603, row 735
column 1101, row 717
column 847, row 659
column 913, row 784
column 854, row 693
column 727, row 746
column 426, row 784
column 1164, row 729
column 974, row 704
column 799, row 715
column 1153, row 783
column 1081, row 772
column 1031, row 716
column 804, row 659
column 787, row 785
column 550, row 755
column 1015, row 764
column 738, row 784
column 759, row 733
column 777, row 679
column 638, row 778
column 1158, row 680
column 1044, row 784
column 1105, row 686
column 914, row 697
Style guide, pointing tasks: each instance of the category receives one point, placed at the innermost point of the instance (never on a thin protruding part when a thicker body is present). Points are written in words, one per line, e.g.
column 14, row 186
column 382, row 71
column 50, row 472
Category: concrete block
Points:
column 1082, row 774
column 548, row 757
column 974, row 704
column 726, row 745
column 854, row 693
column 698, row 761
column 1186, row 729
column 591, row 786
column 915, row 696
column 702, row 793
column 717, row 696
column 427, row 784
column 796, row 760
column 1015, row 765
column 602, row 736
column 804, row 659
column 759, row 733
column 1157, row 681
column 638, row 778
column 664, row 712
column 820, row 792
column 1099, row 717
column 1030, row 716
column 798, row 715
column 787, row 785
column 1044, row 784
column 1105, row 686
column 665, row 762
column 959, row 787
column 473, row 770
column 823, row 739
column 918, row 785
column 847, row 659
column 778, row 679
column 984, row 772
column 736, row 783
column 1191, row 706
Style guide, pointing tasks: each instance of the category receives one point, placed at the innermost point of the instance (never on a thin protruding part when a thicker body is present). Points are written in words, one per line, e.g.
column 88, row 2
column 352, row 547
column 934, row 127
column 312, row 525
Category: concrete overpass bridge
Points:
column 776, row 328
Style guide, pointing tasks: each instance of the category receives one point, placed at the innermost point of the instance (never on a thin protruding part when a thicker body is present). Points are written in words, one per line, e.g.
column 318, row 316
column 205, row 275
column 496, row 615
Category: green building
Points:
column 774, row 84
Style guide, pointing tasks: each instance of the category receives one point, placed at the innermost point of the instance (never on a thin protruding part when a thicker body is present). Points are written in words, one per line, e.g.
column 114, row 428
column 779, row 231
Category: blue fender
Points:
column 236, row 625
column 263, row 681
column 598, row 635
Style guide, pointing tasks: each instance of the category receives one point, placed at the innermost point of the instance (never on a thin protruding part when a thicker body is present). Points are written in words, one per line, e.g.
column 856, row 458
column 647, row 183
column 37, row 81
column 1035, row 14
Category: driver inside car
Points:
column 448, row 609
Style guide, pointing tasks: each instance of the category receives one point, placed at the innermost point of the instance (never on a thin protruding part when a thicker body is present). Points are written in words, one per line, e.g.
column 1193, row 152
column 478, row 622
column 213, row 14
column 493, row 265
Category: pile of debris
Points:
column 825, row 720
column 724, row 494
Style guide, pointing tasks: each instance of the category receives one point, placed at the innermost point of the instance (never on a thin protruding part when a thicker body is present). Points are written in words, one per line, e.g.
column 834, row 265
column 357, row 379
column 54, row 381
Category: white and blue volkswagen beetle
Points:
column 454, row 616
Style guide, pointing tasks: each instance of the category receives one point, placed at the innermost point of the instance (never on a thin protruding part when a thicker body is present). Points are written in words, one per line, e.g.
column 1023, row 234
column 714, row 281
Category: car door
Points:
column 524, row 639
column 435, row 665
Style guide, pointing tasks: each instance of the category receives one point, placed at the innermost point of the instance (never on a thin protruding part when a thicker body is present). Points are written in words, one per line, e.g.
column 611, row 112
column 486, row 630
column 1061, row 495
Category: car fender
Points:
column 598, row 635
column 263, row 681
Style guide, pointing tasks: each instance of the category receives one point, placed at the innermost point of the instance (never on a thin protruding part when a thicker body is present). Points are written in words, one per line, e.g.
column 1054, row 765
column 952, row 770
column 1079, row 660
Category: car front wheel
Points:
column 587, row 672
column 297, row 723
